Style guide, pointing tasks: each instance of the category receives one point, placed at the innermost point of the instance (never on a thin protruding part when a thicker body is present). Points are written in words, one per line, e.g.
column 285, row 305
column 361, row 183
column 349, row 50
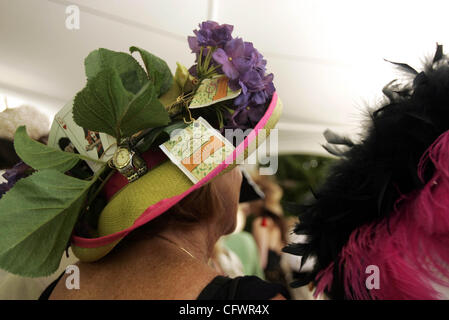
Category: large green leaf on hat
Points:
column 37, row 217
column 158, row 136
column 131, row 73
column 105, row 105
column 157, row 69
column 40, row 156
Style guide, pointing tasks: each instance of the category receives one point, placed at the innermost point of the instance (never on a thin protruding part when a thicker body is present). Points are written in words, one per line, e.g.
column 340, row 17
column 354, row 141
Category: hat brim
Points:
column 158, row 190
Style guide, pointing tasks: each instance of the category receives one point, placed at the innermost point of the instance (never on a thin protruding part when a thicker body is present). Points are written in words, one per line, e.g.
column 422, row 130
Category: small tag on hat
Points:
column 211, row 91
column 197, row 149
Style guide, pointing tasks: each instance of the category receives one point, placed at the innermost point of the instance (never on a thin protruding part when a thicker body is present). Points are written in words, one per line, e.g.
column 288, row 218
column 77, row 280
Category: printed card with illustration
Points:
column 66, row 135
column 212, row 91
column 197, row 149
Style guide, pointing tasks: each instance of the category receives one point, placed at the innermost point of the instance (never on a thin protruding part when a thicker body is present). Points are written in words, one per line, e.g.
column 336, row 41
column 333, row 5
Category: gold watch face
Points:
column 121, row 158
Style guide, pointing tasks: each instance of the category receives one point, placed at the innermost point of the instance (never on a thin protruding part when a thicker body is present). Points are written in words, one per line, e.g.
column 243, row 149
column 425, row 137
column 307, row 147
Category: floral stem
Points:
column 200, row 59
column 103, row 183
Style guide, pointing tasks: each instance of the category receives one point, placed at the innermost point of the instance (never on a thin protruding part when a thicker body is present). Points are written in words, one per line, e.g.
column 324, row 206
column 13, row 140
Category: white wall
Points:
column 327, row 55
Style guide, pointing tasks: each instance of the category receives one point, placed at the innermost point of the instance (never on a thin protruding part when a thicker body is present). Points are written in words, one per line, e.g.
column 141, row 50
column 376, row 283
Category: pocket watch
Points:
column 128, row 163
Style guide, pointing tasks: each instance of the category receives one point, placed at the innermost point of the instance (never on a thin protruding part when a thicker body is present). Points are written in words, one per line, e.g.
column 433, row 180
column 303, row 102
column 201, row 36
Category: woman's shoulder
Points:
column 102, row 282
column 242, row 288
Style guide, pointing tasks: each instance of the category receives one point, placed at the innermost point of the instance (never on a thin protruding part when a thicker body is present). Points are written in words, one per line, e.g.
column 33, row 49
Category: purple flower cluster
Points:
column 210, row 34
column 243, row 65
column 19, row 171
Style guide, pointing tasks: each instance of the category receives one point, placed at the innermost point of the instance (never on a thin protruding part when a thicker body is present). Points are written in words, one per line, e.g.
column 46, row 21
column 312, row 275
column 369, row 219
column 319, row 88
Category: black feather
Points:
column 334, row 150
column 298, row 249
column 334, row 138
column 404, row 67
column 438, row 53
column 302, row 279
column 370, row 176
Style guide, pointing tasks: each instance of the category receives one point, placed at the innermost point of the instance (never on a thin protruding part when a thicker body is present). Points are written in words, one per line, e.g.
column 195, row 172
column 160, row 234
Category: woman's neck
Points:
column 197, row 242
column 149, row 268
column 180, row 244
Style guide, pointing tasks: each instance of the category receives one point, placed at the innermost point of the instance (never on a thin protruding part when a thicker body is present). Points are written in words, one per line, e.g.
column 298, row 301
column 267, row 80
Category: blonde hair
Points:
column 199, row 206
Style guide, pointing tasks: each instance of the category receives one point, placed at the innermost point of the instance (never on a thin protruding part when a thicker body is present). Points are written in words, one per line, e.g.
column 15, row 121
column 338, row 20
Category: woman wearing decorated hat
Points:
column 139, row 177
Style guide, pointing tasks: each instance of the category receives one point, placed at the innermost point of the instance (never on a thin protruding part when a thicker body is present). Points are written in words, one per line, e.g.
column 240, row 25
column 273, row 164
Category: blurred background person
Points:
column 239, row 249
column 11, row 286
column 269, row 230
column 243, row 244
column 10, row 119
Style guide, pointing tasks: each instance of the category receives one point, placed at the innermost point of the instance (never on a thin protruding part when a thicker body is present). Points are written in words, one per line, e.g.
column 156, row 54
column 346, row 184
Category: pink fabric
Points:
column 411, row 248
column 157, row 209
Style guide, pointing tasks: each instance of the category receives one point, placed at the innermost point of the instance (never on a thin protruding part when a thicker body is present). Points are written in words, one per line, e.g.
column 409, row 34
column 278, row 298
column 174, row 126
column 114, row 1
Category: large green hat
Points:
column 91, row 196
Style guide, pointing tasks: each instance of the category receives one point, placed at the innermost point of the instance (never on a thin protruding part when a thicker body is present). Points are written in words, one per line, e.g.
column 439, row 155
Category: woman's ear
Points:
column 228, row 190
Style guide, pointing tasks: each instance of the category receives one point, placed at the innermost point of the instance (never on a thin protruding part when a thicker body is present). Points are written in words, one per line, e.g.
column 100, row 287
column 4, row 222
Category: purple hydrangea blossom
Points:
column 255, row 90
column 245, row 117
column 257, row 60
column 211, row 34
column 232, row 59
column 193, row 44
column 193, row 70
column 243, row 65
column 19, row 171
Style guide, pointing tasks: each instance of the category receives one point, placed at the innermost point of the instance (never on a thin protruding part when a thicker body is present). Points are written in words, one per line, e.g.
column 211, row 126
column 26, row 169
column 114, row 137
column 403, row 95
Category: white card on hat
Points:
column 95, row 145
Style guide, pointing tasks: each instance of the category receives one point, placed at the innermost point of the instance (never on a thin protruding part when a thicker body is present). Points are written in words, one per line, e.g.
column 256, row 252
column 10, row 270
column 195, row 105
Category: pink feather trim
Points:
column 410, row 248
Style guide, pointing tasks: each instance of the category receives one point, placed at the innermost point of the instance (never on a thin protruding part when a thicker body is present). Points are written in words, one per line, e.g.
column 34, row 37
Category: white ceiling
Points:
column 327, row 55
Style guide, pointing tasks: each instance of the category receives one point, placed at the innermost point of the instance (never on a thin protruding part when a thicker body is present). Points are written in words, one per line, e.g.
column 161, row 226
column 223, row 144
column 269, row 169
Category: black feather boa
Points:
column 372, row 174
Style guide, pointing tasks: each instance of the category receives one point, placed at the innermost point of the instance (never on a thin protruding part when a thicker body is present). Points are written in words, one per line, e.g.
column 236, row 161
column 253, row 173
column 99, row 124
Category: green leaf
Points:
column 133, row 76
column 100, row 104
column 105, row 105
column 40, row 156
column 183, row 78
column 37, row 217
column 144, row 111
column 159, row 135
column 170, row 97
column 157, row 70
